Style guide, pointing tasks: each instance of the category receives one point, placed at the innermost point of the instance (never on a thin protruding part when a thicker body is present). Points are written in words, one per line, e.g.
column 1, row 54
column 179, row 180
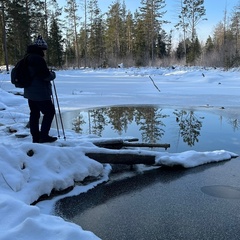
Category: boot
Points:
column 47, row 139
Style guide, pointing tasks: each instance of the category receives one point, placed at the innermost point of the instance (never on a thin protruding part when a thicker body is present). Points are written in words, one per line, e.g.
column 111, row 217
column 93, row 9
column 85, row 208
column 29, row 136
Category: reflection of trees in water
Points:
column 189, row 125
column 232, row 121
column 97, row 121
column 235, row 123
column 120, row 118
column 77, row 124
column 148, row 118
column 150, row 121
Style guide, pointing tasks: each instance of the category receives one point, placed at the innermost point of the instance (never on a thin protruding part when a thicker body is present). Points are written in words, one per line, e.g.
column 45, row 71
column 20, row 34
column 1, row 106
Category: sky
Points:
column 214, row 13
column 29, row 170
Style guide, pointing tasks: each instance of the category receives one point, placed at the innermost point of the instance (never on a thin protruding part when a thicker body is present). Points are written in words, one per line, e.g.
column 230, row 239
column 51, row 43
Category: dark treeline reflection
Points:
column 148, row 119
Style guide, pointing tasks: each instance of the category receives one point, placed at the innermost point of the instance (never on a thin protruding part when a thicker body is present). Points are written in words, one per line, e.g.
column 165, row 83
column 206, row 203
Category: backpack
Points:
column 20, row 76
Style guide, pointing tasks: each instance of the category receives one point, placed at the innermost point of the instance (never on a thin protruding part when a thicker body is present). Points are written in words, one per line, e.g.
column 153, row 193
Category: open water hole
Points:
column 203, row 129
column 158, row 203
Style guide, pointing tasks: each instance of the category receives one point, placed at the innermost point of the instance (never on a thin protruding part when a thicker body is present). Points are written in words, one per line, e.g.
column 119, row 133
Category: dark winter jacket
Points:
column 41, row 87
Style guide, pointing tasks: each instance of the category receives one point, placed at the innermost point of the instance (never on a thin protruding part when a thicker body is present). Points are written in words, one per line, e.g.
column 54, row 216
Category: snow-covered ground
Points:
column 28, row 171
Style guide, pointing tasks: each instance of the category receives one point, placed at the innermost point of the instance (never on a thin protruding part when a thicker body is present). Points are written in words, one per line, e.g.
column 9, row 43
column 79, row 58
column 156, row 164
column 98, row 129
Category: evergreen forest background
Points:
column 105, row 39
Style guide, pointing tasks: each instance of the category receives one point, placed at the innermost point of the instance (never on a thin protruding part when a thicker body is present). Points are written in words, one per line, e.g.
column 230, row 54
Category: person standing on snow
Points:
column 39, row 93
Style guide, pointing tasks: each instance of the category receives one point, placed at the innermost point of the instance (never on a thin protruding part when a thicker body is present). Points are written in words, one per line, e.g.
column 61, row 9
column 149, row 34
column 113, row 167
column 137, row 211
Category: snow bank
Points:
column 27, row 171
column 21, row 221
column 191, row 159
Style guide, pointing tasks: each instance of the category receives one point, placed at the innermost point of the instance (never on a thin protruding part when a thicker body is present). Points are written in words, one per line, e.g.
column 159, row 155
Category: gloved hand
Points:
column 53, row 75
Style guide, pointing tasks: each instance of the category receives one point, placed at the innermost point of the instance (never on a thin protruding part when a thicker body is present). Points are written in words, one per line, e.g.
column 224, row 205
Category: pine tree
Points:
column 123, row 32
column 209, row 45
column 73, row 21
column 96, row 35
column 180, row 52
column 193, row 51
column 152, row 14
column 140, row 42
column 55, row 44
column 235, row 29
column 22, row 24
column 192, row 13
column 115, row 33
column 129, row 33
column 18, row 25
column 3, row 35
column 163, row 45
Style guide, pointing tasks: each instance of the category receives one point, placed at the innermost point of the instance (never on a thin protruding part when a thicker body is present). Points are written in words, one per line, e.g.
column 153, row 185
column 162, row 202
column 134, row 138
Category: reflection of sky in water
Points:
column 215, row 133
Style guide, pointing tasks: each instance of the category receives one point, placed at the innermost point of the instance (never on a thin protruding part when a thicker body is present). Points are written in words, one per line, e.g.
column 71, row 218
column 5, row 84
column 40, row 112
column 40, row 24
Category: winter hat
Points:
column 41, row 43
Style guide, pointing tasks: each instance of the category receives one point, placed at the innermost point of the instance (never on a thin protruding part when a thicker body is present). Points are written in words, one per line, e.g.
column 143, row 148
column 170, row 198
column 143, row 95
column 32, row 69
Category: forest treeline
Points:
column 105, row 39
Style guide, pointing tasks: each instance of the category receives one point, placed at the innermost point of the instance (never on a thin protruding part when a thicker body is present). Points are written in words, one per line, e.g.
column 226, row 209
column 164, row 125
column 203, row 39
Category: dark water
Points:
column 161, row 203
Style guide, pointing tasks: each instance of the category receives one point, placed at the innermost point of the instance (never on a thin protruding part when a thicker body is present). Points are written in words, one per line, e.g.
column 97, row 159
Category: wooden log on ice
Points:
column 111, row 144
column 120, row 143
column 122, row 158
column 149, row 145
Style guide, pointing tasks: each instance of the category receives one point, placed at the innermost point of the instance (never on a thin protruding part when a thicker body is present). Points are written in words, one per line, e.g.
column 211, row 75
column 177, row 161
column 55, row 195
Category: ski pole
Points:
column 60, row 116
column 56, row 117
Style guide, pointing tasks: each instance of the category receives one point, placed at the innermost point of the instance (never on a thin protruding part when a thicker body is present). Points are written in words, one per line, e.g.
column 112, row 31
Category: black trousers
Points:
column 48, row 111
